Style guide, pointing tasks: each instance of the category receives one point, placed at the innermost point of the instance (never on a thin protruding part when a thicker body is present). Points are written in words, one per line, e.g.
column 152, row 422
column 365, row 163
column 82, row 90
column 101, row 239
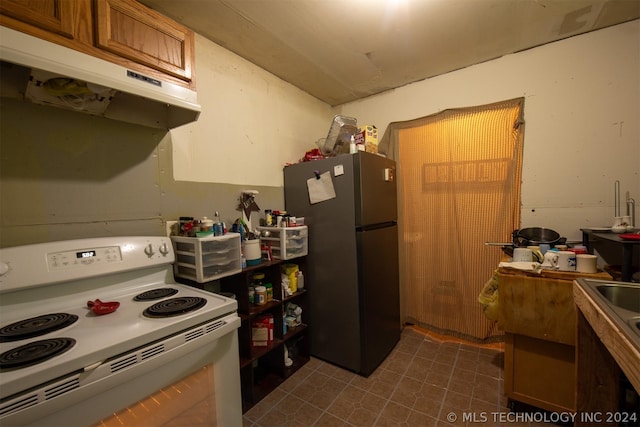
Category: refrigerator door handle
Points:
column 369, row 227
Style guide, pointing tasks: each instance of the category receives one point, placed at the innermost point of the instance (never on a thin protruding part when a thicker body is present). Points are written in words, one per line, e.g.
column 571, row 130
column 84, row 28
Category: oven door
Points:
column 196, row 382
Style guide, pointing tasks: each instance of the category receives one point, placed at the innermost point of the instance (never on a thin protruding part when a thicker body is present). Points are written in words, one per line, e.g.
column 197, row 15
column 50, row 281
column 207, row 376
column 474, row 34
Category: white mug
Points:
column 522, row 255
column 567, row 261
column 586, row 263
column 550, row 260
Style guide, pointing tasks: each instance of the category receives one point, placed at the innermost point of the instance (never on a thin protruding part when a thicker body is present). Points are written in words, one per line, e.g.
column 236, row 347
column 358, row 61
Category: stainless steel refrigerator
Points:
column 354, row 308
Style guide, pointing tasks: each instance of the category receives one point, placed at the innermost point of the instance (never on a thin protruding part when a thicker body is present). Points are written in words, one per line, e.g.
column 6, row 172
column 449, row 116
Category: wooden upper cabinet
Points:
column 133, row 31
column 55, row 16
column 124, row 32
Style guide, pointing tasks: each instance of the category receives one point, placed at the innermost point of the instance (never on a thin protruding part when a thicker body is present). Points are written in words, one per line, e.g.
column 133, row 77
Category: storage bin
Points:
column 203, row 259
column 286, row 242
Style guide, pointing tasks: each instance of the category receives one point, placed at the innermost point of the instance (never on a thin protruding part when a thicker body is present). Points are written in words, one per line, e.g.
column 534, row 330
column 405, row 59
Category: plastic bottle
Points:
column 260, row 296
column 282, row 219
column 300, row 280
column 217, row 226
column 269, row 294
column 284, row 326
column 256, row 283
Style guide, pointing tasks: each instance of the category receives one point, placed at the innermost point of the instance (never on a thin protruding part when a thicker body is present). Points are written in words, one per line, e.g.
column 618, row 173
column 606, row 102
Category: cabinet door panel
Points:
column 144, row 36
column 51, row 15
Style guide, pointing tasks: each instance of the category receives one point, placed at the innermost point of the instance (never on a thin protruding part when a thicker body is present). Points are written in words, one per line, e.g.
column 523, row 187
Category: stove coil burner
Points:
column 155, row 294
column 174, row 306
column 36, row 326
column 35, row 352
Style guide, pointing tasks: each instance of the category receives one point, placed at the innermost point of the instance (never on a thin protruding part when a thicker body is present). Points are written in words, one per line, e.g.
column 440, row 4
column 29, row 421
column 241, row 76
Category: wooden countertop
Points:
column 625, row 352
column 556, row 274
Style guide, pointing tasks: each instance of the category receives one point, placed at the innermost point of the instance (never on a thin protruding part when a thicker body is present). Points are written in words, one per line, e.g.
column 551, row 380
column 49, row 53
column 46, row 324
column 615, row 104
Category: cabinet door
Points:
column 133, row 31
column 538, row 307
column 55, row 16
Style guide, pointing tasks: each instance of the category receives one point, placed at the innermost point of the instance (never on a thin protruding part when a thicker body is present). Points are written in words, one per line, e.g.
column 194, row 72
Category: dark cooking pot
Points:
column 535, row 235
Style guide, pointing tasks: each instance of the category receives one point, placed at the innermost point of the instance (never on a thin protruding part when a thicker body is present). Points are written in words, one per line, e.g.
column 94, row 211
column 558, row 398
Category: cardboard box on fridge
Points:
column 367, row 136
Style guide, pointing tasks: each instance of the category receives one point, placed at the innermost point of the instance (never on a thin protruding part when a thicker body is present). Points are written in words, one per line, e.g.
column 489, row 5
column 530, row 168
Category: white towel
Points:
column 534, row 267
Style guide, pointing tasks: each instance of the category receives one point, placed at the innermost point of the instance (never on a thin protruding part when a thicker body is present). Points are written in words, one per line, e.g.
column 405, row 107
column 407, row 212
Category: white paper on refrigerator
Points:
column 321, row 188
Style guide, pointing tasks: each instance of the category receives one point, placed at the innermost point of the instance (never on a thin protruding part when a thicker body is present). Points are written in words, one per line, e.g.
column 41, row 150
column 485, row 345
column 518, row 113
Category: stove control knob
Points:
column 164, row 250
column 4, row 267
column 149, row 250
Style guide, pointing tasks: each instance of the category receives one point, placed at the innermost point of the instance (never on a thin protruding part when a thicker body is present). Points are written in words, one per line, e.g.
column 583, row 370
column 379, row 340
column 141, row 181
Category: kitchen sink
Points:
column 623, row 296
column 620, row 301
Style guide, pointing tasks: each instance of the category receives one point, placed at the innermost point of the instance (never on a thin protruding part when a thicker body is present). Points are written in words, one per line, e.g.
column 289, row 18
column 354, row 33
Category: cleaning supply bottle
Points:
column 217, row 226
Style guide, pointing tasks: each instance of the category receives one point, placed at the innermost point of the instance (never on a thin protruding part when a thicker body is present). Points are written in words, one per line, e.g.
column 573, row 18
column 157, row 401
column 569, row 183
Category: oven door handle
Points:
column 93, row 366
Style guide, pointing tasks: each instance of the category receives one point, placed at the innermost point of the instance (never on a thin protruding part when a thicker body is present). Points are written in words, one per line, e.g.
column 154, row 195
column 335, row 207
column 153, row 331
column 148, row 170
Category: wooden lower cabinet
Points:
column 540, row 373
column 599, row 376
column 538, row 316
column 607, row 366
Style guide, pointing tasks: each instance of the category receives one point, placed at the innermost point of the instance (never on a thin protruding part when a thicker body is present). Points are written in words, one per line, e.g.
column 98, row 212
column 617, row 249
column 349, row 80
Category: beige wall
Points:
column 252, row 123
column 64, row 175
column 582, row 113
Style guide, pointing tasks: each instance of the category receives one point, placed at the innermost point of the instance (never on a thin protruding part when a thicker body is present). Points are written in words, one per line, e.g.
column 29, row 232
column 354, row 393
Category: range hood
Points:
column 46, row 73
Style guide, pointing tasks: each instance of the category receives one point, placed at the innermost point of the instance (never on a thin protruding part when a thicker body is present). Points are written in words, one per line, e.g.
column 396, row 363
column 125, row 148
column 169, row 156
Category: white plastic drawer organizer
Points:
column 285, row 242
column 207, row 258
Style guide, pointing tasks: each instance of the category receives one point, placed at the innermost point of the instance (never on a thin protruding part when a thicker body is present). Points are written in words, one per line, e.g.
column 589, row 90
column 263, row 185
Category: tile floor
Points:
column 424, row 382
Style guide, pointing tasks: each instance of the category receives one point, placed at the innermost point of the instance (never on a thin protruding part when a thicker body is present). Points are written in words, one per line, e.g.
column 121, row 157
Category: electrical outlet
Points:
column 170, row 226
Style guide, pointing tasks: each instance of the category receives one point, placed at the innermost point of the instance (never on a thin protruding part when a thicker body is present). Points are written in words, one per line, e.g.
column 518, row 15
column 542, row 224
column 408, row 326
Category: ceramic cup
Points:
column 586, row 263
column 522, row 255
column 535, row 252
column 567, row 261
column 550, row 260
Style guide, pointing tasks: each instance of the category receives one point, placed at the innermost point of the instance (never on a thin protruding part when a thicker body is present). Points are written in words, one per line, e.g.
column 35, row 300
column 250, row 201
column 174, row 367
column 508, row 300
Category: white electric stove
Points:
column 91, row 328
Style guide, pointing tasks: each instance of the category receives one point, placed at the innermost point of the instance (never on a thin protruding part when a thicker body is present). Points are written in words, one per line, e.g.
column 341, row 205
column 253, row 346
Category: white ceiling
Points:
column 343, row 50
